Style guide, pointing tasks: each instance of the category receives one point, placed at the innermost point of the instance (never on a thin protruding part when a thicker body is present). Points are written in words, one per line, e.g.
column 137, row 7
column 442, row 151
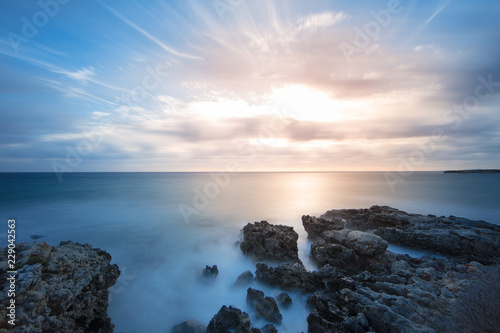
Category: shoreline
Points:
column 479, row 171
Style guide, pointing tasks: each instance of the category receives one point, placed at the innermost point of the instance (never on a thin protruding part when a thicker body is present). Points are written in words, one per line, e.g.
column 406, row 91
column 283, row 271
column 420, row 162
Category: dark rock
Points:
column 288, row 277
column 210, row 271
column 452, row 236
column 264, row 241
column 269, row 328
column 363, row 243
column 190, row 326
column 265, row 306
column 316, row 226
column 284, row 300
column 59, row 288
column 244, row 279
column 229, row 319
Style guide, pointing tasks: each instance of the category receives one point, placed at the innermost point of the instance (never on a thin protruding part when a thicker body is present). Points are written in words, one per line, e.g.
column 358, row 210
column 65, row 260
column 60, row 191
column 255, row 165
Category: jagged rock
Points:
column 269, row 328
column 316, row 226
column 190, row 326
column 284, row 300
column 265, row 306
column 230, row 319
column 244, row 279
column 363, row 243
column 264, row 241
column 452, row 236
column 210, row 271
column 288, row 277
column 59, row 288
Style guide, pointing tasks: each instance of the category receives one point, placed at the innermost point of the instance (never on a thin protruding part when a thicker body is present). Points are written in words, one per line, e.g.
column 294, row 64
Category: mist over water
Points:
column 136, row 218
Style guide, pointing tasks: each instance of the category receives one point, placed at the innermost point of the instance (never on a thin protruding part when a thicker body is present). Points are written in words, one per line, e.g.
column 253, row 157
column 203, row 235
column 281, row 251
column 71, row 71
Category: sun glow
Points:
column 304, row 103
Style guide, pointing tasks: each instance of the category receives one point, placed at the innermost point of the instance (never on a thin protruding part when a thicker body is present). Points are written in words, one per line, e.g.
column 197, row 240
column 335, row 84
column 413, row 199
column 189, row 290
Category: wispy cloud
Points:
column 151, row 37
column 321, row 20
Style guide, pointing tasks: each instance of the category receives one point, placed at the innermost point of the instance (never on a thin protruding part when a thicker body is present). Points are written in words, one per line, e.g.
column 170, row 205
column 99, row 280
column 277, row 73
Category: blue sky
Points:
column 266, row 85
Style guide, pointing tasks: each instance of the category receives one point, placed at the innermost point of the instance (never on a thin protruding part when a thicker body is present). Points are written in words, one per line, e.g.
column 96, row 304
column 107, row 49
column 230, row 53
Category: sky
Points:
column 260, row 85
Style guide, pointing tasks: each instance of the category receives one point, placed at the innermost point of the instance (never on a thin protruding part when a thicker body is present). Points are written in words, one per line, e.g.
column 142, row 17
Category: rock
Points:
column 244, row 279
column 363, row 243
column 229, row 319
column 210, row 271
column 452, row 236
column 288, row 277
column 264, row 241
column 383, row 319
column 284, row 300
column 269, row 328
column 60, row 288
column 190, row 326
column 315, row 227
column 265, row 306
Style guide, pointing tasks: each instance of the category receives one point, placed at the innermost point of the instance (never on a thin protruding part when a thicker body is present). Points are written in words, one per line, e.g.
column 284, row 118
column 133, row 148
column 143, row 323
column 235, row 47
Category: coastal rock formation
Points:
column 360, row 286
column 210, row 272
column 265, row 306
column 59, row 288
column 264, row 241
column 450, row 236
column 229, row 319
column 367, row 288
column 284, row 300
column 244, row 279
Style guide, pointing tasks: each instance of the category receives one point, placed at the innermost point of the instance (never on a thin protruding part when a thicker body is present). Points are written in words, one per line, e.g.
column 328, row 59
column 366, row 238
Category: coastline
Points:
column 358, row 286
column 480, row 171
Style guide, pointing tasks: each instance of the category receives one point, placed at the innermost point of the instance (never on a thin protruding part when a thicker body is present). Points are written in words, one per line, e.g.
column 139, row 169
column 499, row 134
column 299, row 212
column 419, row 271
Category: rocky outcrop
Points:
column 244, row 279
column 265, row 306
column 229, row 319
column 362, row 287
column 264, row 241
column 288, row 277
column 210, row 272
column 59, row 288
column 284, row 300
column 367, row 288
column 450, row 236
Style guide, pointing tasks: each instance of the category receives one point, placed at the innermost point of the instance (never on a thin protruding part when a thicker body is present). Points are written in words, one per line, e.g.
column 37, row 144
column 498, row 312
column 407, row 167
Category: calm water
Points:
column 161, row 252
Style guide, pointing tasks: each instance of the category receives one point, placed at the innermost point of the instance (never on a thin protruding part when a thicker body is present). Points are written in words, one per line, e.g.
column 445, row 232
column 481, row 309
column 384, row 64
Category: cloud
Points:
column 322, row 20
column 82, row 75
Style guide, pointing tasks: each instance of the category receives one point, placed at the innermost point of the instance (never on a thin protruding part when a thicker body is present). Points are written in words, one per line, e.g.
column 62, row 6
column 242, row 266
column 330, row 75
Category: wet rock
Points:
column 264, row 241
column 210, row 272
column 269, row 328
column 288, row 277
column 190, row 326
column 265, row 306
column 60, row 288
column 284, row 300
column 316, row 226
column 244, row 279
column 229, row 319
column 452, row 236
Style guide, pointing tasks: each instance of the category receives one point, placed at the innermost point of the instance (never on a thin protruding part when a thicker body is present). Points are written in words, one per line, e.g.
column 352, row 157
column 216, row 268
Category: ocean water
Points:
column 163, row 228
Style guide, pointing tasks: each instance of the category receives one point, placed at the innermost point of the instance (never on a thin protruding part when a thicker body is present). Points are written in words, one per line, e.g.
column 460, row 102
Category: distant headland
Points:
column 474, row 171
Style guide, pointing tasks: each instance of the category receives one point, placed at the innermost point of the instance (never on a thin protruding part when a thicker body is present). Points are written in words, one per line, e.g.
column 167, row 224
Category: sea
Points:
column 162, row 229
